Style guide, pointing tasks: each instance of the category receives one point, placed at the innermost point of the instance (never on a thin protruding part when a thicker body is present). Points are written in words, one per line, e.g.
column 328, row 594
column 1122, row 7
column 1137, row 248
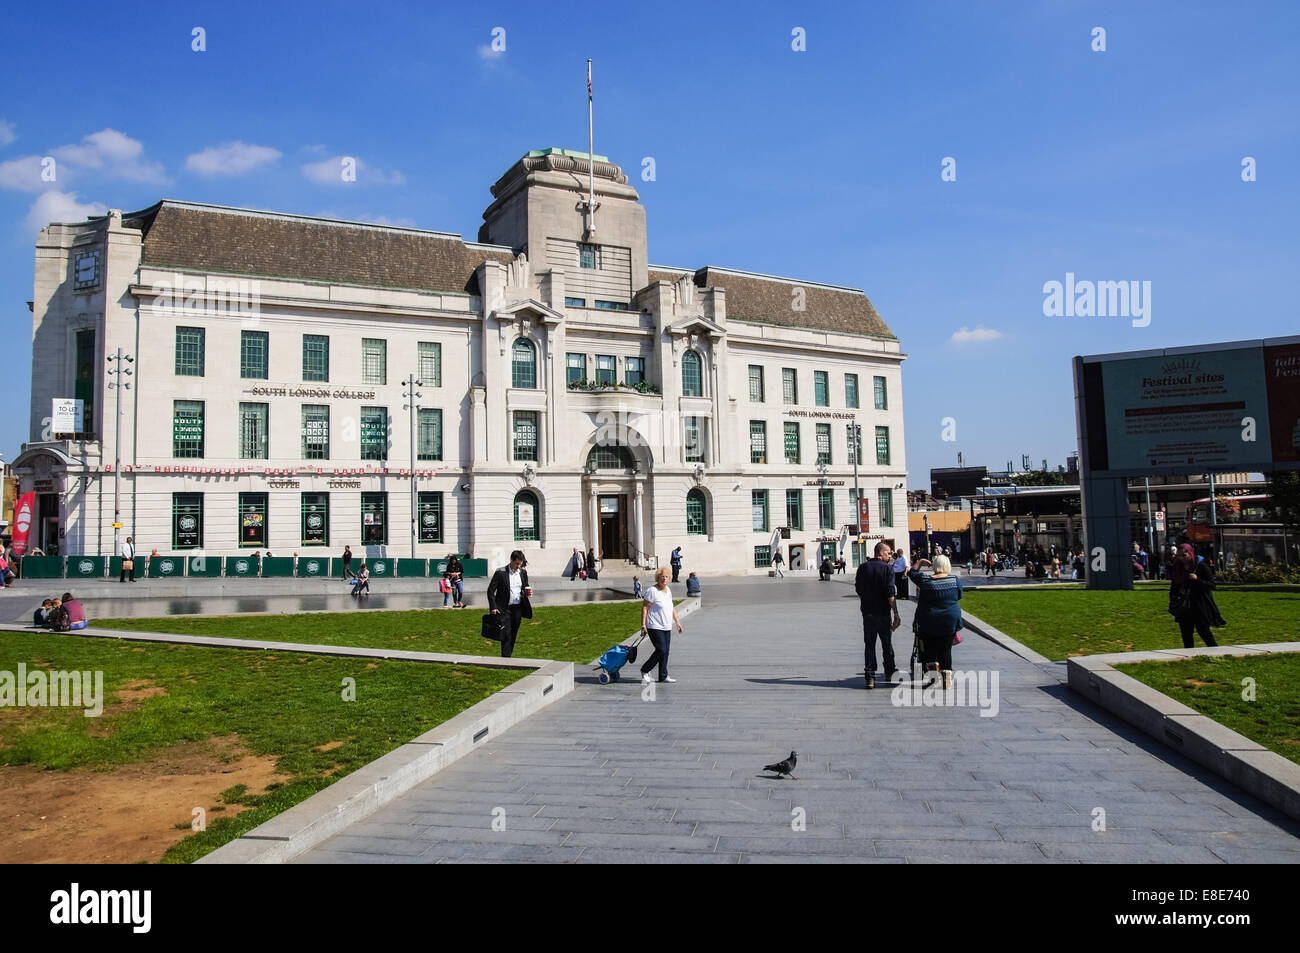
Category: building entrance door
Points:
column 613, row 526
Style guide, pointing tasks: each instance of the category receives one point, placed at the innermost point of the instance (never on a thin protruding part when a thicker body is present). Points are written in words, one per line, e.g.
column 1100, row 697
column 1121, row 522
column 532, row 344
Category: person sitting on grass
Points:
column 38, row 618
column 361, row 582
column 76, row 612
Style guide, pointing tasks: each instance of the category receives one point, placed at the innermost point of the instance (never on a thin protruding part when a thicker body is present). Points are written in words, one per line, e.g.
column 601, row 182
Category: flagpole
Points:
column 591, row 161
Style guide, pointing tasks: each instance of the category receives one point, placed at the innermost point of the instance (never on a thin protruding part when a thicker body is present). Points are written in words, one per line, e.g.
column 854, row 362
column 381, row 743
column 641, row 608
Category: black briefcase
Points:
column 492, row 628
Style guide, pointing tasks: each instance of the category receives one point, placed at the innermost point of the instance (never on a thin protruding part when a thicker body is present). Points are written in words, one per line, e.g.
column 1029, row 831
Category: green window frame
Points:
column 254, row 423
column 605, row 370
column 374, row 433
column 315, row 432
column 524, row 435
column 885, row 500
column 697, row 513
column 758, row 509
column 762, row 557
column 429, row 363
column 428, row 507
column 692, row 375
column 790, row 385
column 824, row 444
column 252, row 520
column 880, row 387
column 315, row 519
column 791, row 442
column 822, row 388
column 85, row 386
column 850, row 390
column 187, row 521
column 694, row 439
column 254, row 355
column 794, row 509
column 882, row 446
column 633, row 371
column 190, row 351
column 523, row 365
column 611, row 456
column 528, row 530
column 826, row 509
column 428, row 431
column 374, row 519
column 188, row 429
column 758, row 441
column 316, row 357
column 577, row 367
column 374, row 361
column 755, row 383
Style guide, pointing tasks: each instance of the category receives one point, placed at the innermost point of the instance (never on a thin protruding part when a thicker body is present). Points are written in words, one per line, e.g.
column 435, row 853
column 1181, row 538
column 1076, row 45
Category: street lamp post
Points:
column 412, row 395
column 116, row 371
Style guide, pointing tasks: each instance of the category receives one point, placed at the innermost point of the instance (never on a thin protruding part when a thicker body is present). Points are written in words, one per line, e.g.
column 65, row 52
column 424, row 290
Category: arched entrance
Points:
column 616, row 499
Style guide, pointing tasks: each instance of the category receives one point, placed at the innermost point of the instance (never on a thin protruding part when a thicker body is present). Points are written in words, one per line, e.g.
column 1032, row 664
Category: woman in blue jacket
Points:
column 938, row 616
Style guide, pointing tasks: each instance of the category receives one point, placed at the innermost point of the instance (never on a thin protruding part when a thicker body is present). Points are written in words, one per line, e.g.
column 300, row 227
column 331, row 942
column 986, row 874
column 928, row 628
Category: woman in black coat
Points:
column 1191, row 597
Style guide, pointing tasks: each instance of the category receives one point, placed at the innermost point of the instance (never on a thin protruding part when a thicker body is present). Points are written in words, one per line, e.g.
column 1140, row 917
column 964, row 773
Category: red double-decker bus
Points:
column 1244, row 527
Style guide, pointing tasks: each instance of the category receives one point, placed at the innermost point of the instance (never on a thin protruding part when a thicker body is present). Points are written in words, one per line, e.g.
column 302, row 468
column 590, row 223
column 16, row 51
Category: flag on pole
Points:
column 589, row 80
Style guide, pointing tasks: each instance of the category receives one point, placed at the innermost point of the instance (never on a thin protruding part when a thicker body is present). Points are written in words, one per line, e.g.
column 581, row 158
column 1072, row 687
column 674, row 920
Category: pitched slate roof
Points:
column 270, row 245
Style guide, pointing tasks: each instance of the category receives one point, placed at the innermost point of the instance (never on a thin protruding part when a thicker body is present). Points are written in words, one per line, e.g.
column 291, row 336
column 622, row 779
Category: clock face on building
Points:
column 86, row 270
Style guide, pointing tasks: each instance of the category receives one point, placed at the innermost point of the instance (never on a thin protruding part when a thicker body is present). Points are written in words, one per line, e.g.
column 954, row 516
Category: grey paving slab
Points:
column 605, row 777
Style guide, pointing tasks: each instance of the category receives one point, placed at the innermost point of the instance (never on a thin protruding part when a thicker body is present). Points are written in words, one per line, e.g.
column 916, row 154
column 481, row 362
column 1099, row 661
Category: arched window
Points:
column 528, row 516
column 610, row 457
column 523, row 371
column 697, row 514
column 692, row 378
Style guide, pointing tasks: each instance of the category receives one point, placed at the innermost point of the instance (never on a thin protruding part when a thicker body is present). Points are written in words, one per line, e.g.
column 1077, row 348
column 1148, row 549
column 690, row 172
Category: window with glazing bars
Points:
column 824, row 444
column 694, row 440
column 253, row 419
column 789, row 385
column 882, row 394
column 189, row 351
column 692, row 377
column 429, row 434
column 374, row 433
column 882, row 446
column 254, row 347
column 822, row 388
column 315, row 432
column 757, row 441
column 696, row 513
column 850, row 390
column 791, row 442
column 755, row 384
column 429, row 368
column 885, row 500
column 633, row 371
column 187, row 428
column 523, row 367
column 315, row 357
column 604, row 369
column 525, row 431
column 762, row 557
column 758, row 504
column 794, row 509
column 826, row 508
column 577, row 367
column 374, row 361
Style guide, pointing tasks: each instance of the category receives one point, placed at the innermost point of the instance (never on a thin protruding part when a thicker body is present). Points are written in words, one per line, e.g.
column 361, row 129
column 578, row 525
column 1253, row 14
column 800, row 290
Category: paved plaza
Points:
column 767, row 666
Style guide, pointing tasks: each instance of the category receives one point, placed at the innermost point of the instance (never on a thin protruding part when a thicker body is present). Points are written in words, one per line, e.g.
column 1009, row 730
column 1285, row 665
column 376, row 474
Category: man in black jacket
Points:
column 875, row 587
column 508, row 595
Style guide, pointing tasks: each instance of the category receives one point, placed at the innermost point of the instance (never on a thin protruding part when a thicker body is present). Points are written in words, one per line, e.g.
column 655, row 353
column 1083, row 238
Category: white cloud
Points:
column 490, row 56
column 6, row 133
column 23, row 174
column 231, row 158
column 330, row 172
column 116, row 153
column 54, row 206
column 978, row 335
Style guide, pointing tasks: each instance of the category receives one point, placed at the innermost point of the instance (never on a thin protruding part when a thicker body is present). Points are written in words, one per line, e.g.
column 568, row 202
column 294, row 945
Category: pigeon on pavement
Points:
column 786, row 766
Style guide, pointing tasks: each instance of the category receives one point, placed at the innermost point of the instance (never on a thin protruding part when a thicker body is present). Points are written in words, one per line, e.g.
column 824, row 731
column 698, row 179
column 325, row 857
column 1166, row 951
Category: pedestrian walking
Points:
column 900, row 574
column 456, row 576
column 657, row 619
column 675, row 560
column 592, row 574
column 1191, row 597
column 347, row 561
column 876, row 591
column 509, row 595
column 938, row 616
column 777, row 562
column 577, row 565
column 128, row 560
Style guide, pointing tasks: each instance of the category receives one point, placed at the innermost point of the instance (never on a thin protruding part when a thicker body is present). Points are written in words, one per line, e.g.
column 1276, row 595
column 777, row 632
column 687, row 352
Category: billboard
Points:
column 1192, row 410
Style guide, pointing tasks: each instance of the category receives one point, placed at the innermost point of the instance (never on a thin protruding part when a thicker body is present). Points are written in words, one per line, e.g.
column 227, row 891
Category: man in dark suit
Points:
column 508, row 595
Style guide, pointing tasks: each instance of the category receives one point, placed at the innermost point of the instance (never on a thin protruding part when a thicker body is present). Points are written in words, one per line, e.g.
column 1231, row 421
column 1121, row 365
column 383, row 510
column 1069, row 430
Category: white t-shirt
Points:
column 661, row 608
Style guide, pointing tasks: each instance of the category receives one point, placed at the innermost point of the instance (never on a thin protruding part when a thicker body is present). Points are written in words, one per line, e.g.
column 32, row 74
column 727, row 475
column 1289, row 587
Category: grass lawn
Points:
column 1061, row 623
column 231, row 703
column 1213, row 686
column 565, row 633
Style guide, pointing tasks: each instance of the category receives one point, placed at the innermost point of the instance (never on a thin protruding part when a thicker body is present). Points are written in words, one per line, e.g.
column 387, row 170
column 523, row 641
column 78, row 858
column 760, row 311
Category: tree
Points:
column 1040, row 478
column 1285, row 487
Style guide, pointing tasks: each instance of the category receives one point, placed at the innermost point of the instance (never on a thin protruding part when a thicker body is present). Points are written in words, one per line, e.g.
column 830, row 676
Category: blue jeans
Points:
column 660, row 639
column 458, row 590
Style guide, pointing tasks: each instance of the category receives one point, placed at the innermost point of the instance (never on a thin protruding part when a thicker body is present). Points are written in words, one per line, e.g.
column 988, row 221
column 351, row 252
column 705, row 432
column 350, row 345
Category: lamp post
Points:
column 411, row 396
column 116, row 371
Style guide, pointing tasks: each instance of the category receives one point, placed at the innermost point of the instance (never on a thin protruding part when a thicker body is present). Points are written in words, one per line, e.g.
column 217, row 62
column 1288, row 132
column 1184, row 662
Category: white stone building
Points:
column 570, row 393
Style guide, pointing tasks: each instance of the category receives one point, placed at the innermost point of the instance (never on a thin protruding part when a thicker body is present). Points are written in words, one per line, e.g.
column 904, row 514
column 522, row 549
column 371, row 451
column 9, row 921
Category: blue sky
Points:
column 823, row 164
